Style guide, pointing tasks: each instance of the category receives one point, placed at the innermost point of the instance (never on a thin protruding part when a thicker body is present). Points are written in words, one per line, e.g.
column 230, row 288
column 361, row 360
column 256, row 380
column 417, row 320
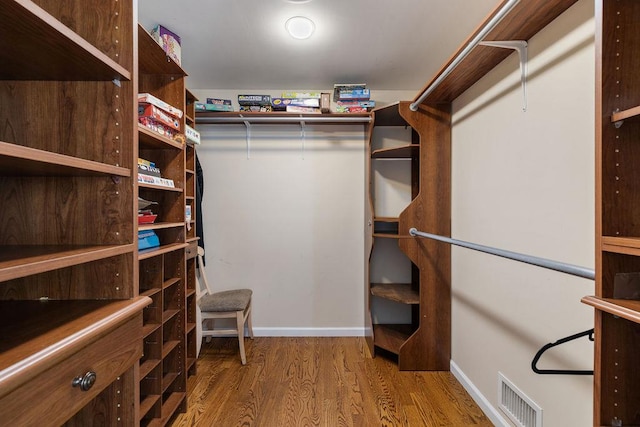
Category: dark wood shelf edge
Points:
column 626, row 309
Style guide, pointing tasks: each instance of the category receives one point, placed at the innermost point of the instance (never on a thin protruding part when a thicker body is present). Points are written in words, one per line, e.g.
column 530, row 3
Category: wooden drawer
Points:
column 192, row 250
column 49, row 398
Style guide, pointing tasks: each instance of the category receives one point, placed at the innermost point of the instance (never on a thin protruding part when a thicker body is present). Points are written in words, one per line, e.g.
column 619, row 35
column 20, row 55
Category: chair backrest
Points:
column 201, row 277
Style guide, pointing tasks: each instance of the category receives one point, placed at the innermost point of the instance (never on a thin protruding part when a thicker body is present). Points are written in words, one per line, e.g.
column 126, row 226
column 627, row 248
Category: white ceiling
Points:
column 387, row 44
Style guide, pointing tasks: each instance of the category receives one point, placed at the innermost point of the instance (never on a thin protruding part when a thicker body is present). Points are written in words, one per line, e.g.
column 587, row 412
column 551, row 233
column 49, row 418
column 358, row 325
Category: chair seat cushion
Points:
column 233, row 300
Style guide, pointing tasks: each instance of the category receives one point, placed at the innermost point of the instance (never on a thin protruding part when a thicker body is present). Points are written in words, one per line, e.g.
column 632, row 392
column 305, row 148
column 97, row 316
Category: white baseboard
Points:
column 489, row 410
column 308, row 332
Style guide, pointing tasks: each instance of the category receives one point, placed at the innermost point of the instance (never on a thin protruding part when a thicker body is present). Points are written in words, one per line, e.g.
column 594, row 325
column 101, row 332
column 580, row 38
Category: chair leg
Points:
column 249, row 325
column 240, row 323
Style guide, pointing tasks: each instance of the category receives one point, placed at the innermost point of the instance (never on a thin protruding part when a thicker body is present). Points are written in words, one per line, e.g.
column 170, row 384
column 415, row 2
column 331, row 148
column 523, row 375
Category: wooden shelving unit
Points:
column 416, row 346
column 192, row 239
column 617, row 320
column 69, row 308
column 163, row 270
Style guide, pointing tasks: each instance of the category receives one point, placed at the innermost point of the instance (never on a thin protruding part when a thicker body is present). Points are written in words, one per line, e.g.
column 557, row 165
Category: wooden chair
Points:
column 231, row 304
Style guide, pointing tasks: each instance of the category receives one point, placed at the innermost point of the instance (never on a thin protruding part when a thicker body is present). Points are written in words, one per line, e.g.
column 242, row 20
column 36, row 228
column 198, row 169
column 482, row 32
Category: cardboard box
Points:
column 254, row 100
column 158, row 127
column 192, row 134
column 218, row 101
column 150, row 99
column 281, row 104
column 158, row 114
column 315, row 95
column 256, row 108
column 213, row 107
column 169, row 41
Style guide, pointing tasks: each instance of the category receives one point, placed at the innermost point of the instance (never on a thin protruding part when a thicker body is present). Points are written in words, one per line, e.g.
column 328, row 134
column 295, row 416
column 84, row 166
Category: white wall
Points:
column 524, row 181
column 288, row 221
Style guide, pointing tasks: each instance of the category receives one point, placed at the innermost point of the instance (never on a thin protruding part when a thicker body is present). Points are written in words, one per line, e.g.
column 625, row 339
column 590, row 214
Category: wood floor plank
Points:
column 311, row 381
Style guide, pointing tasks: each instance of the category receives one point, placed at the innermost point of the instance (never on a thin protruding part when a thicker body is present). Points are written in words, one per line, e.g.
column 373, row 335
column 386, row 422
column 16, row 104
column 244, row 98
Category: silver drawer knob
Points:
column 85, row 382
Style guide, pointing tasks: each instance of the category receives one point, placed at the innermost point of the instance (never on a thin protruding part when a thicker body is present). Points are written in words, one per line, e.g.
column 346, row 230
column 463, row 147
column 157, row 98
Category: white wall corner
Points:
column 489, row 410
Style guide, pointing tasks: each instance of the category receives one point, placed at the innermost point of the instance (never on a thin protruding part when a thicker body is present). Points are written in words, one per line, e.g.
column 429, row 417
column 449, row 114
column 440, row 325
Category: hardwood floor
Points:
column 318, row 382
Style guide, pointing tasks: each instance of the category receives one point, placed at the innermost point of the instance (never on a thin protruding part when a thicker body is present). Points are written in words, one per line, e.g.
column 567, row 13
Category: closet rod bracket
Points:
column 521, row 47
column 247, row 125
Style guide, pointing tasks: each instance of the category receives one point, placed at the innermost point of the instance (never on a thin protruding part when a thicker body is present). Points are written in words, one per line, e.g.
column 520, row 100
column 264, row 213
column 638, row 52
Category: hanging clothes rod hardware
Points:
column 280, row 119
column 467, row 49
column 574, row 270
column 521, row 47
column 546, row 347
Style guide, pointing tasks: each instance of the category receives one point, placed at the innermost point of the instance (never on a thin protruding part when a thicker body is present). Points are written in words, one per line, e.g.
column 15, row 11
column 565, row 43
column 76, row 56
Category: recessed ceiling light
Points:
column 300, row 27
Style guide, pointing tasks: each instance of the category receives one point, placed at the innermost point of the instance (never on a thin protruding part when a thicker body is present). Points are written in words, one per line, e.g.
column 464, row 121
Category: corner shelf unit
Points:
column 617, row 321
column 69, row 307
column 163, row 270
column 406, row 340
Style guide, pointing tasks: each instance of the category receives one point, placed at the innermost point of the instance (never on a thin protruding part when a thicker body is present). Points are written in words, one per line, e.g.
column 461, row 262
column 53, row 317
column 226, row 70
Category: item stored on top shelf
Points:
column 147, row 239
column 158, row 127
column 192, row 134
column 325, row 102
column 256, row 108
column 354, row 106
column 253, row 100
column 213, row 107
column 168, row 41
column 357, row 91
column 150, row 99
column 151, row 111
column 281, row 104
column 219, row 101
column 302, row 110
column 312, row 95
column 155, row 180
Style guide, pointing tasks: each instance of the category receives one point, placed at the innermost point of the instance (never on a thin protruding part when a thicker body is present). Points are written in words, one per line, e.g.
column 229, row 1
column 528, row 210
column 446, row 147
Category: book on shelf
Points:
column 354, row 106
column 148, row 239
column 159, row 128
column 256, row 108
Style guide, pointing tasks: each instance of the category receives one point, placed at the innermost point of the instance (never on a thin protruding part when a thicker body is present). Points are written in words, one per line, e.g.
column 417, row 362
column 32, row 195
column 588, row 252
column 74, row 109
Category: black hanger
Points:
column 561, row 341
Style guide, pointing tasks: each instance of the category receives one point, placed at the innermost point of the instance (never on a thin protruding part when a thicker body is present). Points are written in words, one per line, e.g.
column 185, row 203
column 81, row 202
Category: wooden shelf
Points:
column 148, row 138
column 621, row 245
column 148, row 366
column 150, row 253
column 399, row 292
column 16, row 160
column 168, row 347
column 152, row 59
column 233, row 117
column 40, row 47
column 625, row 114
column 22, row 261
column 170, row 282
column 150, row 328
column 522, row 23
column 147, row 403
column 169, row 314
column 159, row 187
column 388, row 116
column 169, row 406
column 403, row 152
column 391, row 337
column 160, row 225
column 392, row 236
column 626, row 309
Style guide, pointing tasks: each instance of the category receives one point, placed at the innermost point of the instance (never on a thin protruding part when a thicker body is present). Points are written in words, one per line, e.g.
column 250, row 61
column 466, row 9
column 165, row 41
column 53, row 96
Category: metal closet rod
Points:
column 467, row 49
column 276, row 119
column 574, row 270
